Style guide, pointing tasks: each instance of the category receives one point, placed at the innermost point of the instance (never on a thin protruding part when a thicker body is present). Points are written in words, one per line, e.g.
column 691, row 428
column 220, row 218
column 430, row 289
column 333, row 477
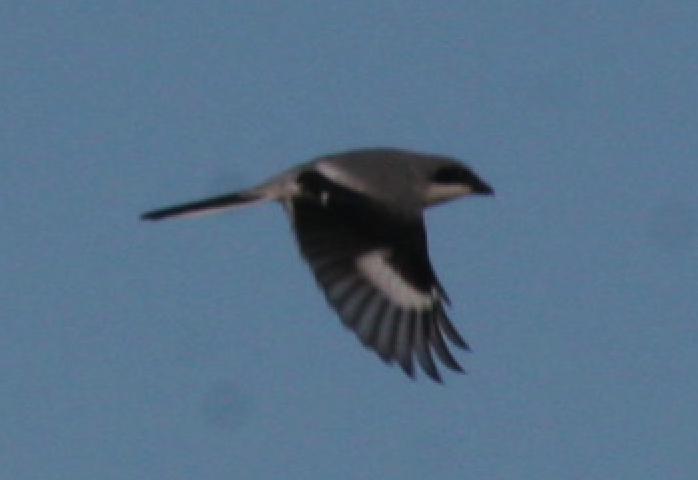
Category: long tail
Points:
column 201, row 207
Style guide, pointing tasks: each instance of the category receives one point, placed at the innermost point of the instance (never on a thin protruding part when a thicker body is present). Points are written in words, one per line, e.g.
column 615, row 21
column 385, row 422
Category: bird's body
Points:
column 359, row 224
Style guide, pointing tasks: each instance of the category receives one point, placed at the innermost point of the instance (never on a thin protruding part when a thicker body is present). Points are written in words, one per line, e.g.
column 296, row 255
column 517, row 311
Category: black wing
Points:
column 375, row 272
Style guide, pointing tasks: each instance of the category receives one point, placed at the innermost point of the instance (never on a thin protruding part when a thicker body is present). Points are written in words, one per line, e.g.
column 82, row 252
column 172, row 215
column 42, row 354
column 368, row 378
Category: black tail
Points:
column 208, row 205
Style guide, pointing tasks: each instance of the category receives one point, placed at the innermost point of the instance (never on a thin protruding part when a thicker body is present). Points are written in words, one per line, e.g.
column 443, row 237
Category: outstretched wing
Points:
column 375, row 272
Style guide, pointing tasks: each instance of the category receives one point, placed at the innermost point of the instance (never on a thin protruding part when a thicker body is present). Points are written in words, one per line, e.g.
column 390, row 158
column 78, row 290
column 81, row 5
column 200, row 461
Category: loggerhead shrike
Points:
column 358, row 219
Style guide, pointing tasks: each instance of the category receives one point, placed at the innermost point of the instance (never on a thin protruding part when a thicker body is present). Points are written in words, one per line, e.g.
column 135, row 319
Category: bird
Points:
column 358, row 218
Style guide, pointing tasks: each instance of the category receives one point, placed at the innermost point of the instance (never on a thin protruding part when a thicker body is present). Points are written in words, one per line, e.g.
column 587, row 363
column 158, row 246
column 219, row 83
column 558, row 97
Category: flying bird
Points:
column 358, row 219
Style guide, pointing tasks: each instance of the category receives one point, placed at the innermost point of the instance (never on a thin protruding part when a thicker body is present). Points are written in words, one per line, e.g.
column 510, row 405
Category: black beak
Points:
column 481, row 188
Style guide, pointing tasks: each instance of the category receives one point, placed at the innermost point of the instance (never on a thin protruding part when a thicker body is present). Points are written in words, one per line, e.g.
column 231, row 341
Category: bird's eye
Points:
column 460, row 175
column 453, row 174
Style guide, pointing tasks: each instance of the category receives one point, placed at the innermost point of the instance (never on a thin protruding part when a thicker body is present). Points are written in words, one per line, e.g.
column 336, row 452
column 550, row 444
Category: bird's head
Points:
column 452, row 180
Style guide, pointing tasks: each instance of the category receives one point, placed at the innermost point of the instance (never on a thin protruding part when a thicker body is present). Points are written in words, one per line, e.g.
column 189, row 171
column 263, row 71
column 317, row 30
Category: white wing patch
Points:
column 376, row 268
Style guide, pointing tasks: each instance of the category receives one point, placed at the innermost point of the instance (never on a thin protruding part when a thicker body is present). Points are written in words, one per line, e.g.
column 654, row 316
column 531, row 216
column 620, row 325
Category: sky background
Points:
column 201, row 349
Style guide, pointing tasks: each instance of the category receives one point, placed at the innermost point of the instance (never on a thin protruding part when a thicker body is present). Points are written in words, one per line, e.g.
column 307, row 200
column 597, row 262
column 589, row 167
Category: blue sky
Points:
column 202, row 349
